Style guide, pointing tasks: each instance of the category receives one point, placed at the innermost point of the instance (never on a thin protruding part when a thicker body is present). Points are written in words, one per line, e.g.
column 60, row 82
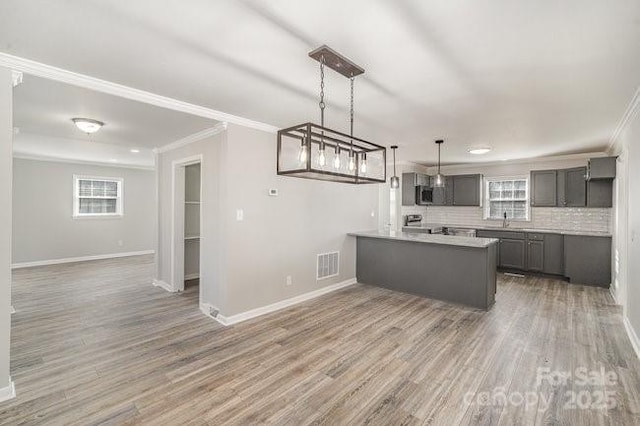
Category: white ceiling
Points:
column 45, row 108
column 529, row 78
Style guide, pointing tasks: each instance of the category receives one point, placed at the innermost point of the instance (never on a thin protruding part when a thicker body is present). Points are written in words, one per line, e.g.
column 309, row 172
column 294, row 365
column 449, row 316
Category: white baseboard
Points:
column 613, row 294
column 8, row 392
column 12, row 310
column 253, row 313
column 163, row 284
column 79, row 259
column 191, row 277
column 635, row 342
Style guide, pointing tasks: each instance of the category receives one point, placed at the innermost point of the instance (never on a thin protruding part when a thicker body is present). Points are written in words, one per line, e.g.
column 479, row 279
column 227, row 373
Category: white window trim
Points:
column 487, row 204
column 119, row 203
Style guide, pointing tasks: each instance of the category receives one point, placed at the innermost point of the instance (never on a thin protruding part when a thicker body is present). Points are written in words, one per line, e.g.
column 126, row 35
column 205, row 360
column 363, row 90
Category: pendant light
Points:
column 395, row 181
column 303, row 150
column 438, row 179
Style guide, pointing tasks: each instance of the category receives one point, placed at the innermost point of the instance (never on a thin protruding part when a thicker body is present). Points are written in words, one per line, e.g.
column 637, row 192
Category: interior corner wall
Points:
column 211, row 238
column 6, row 136
column 43, row 224
column 630, row 146
column 281, row 236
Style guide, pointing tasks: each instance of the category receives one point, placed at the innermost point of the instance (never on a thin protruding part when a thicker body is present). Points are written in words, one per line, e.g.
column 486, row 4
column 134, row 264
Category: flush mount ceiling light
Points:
column 302, row 148
column 479, row 150
column 438, row 179
column 395, row 181
column 135, row 150
column 87, row 125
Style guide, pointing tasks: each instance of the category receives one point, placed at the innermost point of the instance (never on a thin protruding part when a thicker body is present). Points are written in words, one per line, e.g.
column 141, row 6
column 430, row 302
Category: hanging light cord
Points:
column 439, row 157
column 322, row 104
column 351, row 109
column 394, row 161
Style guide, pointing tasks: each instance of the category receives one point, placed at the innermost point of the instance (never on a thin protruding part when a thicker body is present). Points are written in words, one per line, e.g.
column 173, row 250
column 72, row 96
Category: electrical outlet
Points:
column 289, row 280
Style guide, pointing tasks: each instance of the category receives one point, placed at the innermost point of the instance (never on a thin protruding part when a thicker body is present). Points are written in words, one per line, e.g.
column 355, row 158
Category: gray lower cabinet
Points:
column 535, row 255
column 553, row 254
column 512, row 254
column 544, row 188
column 587, row 260
column 466, row 190
column 531, row 251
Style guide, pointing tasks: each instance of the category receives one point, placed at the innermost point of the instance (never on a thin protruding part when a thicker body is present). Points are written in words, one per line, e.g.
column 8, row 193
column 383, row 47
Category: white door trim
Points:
column 177, row 219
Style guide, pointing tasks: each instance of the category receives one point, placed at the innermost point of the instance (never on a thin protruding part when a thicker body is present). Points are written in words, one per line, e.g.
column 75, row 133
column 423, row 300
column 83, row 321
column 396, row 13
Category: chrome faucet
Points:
column 505, row 221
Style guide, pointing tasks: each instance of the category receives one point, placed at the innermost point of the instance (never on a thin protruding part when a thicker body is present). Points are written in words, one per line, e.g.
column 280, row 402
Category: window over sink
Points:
column 507, row 195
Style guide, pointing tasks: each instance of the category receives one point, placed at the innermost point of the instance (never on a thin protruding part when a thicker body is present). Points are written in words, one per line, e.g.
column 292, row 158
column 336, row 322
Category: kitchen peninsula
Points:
column 450, row 268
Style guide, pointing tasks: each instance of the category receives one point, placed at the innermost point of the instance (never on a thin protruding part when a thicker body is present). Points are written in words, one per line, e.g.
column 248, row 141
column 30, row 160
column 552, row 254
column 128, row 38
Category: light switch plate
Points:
column 239, row 215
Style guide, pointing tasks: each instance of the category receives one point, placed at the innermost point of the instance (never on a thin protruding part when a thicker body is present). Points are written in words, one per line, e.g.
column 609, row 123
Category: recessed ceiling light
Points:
column 135, row 151
column 479, row 150
column 87, row 125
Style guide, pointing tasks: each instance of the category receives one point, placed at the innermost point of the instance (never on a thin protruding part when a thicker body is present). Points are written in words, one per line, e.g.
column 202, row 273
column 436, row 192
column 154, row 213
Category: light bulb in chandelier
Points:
column 322, row 158
column 302, row 155
column 363, row 165
column 352, row 161
column 336, row 159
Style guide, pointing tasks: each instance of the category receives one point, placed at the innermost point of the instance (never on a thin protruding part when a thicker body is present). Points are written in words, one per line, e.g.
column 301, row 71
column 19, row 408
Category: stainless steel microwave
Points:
column 424, row 195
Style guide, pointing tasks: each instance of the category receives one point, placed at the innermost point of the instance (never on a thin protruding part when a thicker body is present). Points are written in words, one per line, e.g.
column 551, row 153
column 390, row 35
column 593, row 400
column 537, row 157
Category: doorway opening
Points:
column 187, row 225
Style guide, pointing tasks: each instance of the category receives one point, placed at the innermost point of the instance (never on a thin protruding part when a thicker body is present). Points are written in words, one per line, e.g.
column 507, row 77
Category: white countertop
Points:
column 450, row 240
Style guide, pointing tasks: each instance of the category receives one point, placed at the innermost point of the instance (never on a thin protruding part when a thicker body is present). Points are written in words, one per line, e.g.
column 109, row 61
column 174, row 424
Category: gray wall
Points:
column 211, row 168
column 44, row 227
column 6, row 135
column 245, row 263
column 282, row 235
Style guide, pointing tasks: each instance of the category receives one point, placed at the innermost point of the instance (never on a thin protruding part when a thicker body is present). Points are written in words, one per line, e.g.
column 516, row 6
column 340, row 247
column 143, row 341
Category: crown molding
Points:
column 16, row 77
column 21, row 156
column 195, row 137
column 629, row 113
column 38, row 69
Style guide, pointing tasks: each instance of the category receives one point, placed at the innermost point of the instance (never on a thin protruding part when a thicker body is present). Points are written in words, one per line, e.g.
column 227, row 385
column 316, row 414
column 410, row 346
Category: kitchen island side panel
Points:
column 451, row 273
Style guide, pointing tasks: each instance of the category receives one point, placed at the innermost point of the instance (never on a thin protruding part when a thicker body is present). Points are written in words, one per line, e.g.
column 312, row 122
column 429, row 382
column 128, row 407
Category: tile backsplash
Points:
column 560, row 218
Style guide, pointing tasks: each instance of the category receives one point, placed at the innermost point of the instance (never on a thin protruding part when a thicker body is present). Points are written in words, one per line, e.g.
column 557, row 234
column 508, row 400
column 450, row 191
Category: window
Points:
column 96, row 196
column 507, row 194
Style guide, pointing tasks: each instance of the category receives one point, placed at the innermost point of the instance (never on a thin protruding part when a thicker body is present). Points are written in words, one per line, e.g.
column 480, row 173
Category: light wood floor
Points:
column 95, row 343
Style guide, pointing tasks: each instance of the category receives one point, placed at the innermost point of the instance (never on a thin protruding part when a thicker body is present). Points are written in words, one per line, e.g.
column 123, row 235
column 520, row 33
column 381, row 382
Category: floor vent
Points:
column 328, row 265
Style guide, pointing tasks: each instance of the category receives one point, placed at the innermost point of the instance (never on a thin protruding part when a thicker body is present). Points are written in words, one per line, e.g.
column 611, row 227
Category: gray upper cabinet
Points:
column 444, row 196
column 543, row 188
column 575, row 187
column 601, row 168
column 408, row 189
column 466, row 190
column 600, row 193
column 423, row 180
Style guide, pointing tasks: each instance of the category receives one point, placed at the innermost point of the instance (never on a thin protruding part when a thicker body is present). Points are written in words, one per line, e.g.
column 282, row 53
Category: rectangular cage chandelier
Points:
column 313, row 151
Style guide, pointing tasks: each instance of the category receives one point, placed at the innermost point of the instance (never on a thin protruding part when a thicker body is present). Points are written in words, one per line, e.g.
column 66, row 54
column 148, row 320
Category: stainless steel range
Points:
column 413, row 224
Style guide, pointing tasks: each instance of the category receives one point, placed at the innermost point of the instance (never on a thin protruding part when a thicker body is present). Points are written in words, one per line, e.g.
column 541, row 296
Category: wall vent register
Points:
column 328, row 265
